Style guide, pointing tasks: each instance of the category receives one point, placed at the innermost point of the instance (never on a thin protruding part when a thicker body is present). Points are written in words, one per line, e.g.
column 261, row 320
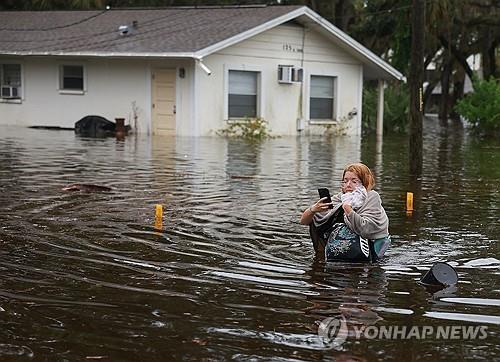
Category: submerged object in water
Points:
column 86, row 188
column 440, row 275
column 94, row 126
column 97, row 126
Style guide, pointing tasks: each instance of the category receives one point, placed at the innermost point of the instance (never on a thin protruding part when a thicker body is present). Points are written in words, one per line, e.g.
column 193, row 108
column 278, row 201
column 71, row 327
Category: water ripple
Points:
column 232, row 273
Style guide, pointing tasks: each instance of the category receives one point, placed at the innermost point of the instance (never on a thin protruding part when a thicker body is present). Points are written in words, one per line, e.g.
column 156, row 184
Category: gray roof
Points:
column 172, row 30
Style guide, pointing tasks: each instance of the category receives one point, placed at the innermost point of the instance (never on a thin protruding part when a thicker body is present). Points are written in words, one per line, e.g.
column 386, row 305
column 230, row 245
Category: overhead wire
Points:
column 83, row 36
column 130, row 38
column 81, row 21
column 49, row 42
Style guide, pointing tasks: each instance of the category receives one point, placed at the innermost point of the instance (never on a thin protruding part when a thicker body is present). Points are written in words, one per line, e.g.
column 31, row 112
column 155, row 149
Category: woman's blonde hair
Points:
column 364, row 174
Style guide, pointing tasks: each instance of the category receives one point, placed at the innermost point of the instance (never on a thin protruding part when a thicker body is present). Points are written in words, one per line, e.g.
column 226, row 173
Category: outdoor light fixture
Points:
column 182, row 72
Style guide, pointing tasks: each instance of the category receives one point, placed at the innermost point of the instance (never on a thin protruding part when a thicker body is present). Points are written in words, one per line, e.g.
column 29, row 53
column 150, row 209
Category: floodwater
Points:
column 232, row 274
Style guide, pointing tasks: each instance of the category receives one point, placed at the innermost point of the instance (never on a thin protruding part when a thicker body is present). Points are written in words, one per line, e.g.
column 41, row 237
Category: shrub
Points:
column 396, row 108
column 481, row 108
column 251, row 129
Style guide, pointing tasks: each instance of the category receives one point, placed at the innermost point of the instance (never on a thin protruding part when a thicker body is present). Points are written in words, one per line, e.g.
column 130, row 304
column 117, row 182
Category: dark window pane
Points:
column 73, row 83
column 321, row 108
column 11, row 75
column 73, row 71
column 242, row 106
column 72, row 77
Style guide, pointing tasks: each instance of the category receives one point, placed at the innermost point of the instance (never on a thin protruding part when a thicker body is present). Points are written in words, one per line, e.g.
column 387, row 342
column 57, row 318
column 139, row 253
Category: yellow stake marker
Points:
column 409, row 201
column 159, row 217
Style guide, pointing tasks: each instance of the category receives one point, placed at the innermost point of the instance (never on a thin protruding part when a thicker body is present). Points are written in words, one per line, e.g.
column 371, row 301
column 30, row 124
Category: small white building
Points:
column 184, row 71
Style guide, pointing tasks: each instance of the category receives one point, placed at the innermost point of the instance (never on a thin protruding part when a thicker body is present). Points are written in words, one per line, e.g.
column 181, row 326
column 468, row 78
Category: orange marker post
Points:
column 409, row 201
column 159, row 217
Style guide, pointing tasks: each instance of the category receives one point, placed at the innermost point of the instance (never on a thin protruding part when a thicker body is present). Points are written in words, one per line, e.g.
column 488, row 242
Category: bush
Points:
column 481, row 108
column 251, row 129
column 396, row 108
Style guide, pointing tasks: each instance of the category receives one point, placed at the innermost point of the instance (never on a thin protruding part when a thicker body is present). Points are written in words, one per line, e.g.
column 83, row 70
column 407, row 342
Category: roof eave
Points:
column 102, row 54
column 363, row 52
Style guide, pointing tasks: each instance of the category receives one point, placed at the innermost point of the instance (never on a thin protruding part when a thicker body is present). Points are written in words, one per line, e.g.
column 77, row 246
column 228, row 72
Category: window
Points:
column 10, row 81
column 242, row 94
column 322, row 95
column 71, row 78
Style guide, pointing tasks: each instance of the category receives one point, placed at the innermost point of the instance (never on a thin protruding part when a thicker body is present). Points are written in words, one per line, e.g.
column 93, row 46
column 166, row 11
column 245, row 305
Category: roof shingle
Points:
column 171, row 30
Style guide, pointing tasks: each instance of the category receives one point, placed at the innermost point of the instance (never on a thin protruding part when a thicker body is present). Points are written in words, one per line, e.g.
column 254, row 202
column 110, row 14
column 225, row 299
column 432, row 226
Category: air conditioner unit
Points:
column 285, row 73
column 10, row 92
column 297, row 74
column 290, row 74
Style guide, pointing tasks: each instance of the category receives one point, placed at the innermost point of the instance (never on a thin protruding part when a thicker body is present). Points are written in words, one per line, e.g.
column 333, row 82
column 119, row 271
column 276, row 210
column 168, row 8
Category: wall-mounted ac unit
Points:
column 290, row 74
column 10, row 92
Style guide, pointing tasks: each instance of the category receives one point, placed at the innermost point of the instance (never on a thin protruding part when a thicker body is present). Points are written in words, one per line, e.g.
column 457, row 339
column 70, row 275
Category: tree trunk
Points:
column 340, row 19
column 459, row 56
column 458, row 91
column 314, row 5
column 416, row 79
column 488, row 56
column 444, row 100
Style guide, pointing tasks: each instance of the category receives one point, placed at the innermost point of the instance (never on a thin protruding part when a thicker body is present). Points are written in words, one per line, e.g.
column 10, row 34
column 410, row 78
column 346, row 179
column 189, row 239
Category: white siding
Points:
column 112, row 85
column 282, row 104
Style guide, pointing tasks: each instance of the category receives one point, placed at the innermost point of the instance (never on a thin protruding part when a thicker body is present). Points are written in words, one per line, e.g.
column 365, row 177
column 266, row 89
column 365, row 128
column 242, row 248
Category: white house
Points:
column 184, row 71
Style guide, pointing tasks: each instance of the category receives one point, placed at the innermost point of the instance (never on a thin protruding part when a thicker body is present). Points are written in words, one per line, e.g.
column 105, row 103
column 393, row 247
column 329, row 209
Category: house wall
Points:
column 282, row 105
column 114, row 85
column 112, row 88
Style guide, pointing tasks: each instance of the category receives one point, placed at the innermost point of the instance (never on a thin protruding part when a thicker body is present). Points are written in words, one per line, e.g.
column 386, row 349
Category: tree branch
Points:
column 461, row 58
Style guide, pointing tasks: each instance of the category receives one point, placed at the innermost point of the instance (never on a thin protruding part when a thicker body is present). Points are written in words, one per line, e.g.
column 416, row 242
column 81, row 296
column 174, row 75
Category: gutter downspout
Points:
column 202, row 65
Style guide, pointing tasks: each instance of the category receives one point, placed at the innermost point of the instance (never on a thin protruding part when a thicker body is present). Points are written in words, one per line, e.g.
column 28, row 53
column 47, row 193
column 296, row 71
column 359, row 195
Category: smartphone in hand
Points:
column 324, row 192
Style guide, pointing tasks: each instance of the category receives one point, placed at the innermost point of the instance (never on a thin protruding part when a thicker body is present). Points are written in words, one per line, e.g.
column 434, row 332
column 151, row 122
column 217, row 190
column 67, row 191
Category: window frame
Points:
column 20, row 97
column 335, row 100
column 60, row 79
column 260, row 91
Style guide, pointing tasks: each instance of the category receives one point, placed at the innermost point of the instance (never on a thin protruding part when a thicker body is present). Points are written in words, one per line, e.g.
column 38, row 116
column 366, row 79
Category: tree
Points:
column 416, row 81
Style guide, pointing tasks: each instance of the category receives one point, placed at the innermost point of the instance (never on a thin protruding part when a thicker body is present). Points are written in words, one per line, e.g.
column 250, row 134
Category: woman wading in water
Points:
column 353, row 227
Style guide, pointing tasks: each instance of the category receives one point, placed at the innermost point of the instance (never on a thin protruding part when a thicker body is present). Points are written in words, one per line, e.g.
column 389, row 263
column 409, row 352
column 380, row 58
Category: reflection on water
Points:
column 233, row 275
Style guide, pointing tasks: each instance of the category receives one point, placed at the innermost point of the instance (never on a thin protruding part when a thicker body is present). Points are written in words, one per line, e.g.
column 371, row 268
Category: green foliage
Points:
column 396, row 108
column 482, row 107
column 250, row 129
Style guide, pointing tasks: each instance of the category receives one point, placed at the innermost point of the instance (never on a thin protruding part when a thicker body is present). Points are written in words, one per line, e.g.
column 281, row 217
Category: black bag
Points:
column 345, row 245
column 319, row 235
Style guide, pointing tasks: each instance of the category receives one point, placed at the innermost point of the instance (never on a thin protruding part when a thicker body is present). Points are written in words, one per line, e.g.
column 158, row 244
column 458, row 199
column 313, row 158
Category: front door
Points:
column 163, row 96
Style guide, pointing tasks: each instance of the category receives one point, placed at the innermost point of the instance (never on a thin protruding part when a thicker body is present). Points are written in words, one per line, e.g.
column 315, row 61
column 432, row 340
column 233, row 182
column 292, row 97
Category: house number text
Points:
column 290, row 48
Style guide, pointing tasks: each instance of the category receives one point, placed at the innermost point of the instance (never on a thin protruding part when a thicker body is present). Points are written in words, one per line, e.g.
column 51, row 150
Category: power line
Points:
column 84, row 36
column 59, row 26
column 128, row 39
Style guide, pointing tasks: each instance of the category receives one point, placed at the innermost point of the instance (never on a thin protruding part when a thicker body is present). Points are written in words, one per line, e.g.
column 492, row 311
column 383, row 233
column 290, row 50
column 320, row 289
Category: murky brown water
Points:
column 233, row 276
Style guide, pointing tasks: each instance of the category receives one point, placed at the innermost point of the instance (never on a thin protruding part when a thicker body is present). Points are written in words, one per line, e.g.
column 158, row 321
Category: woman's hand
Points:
column 347, row 208
column 320, row 205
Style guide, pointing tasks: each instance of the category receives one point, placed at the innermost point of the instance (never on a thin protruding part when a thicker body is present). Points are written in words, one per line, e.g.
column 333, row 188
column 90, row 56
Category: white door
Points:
column 163, row 96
